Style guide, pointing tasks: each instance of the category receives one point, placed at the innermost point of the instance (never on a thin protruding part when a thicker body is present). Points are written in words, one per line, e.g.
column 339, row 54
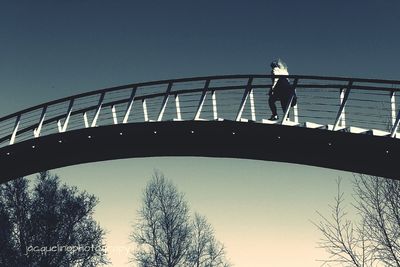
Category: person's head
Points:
column 278, row 63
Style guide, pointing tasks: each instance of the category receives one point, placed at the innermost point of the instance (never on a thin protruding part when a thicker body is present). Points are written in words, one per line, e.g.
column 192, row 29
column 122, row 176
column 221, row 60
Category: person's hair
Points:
column 278, row 63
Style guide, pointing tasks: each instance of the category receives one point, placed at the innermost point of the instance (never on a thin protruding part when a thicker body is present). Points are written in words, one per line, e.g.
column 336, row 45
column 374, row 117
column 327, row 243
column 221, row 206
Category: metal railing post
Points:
column 289, row 104
column 38, row 129
column 129, row 106
column 214, row 104
column 98, row 109
column 15, row 131
column 164, row 103
column 178, row 108
column 395, row 126
column 114, row 114
column 342, row 105
column 63, row 128
column 393, row 106
column 342, row 120
column 244, row 99
column 252, row 106
column 202, row 98
column 146, row 115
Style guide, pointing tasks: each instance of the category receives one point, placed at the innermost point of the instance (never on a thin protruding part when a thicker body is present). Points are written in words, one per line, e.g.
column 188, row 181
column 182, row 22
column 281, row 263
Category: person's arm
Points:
column 274, row 80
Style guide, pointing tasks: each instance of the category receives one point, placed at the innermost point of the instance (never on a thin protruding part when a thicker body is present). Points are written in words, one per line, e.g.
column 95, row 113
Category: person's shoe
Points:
column 274, row 118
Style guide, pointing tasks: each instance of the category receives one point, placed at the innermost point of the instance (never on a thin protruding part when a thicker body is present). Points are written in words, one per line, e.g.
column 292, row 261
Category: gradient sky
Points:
column 260, row 210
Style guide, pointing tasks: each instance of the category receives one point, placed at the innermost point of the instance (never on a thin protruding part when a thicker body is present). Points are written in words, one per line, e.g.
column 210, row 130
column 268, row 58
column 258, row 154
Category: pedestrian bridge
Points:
column 346, row 124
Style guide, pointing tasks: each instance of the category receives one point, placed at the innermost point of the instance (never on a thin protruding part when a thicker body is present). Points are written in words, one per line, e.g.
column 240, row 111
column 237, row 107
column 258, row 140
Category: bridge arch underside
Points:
column 226, row 139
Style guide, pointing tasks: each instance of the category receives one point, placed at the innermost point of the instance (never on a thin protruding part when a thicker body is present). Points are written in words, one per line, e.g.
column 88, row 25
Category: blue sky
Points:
column 51, row 49
column 56, row 48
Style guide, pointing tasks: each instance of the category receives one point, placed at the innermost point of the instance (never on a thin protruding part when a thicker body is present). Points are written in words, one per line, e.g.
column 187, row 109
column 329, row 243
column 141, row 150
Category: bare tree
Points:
column 48, row 225
column 373, row 239
column 165, row 235
column 163, row 231
column 205, row 250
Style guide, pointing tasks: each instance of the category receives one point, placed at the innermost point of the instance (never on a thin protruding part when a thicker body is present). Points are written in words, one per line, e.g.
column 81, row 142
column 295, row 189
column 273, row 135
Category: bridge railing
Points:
column 339, row 104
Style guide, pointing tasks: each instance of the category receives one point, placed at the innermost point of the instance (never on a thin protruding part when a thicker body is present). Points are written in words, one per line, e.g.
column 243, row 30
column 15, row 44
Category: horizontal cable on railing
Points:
column 365, row 107
column 349, row 119
column 369, row 122
column 318, row 117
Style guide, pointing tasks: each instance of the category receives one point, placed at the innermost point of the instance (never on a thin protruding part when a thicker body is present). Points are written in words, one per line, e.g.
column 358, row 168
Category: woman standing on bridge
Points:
column 280, row 89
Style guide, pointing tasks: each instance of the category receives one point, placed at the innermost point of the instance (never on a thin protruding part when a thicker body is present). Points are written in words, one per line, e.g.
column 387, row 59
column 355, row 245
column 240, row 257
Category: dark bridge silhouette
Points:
column 346, row 124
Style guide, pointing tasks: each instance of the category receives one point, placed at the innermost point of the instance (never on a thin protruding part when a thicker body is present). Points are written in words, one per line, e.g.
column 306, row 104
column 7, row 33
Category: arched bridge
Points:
column 340, row 123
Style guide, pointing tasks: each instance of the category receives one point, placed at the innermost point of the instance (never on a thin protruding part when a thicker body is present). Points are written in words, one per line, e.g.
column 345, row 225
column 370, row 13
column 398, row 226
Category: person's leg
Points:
column 271, row 101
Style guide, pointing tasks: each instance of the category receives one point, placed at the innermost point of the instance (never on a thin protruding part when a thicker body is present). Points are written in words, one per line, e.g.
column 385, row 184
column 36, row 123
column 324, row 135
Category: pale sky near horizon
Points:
column 260, row 210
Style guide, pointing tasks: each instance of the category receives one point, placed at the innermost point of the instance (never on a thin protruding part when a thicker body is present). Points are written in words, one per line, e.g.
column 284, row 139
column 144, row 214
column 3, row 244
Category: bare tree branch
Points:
column 166, row 236
column 374, row 239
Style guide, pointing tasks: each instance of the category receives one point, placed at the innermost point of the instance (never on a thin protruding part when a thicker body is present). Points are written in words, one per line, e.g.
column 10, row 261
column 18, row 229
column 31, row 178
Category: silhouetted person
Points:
column 281, row 88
